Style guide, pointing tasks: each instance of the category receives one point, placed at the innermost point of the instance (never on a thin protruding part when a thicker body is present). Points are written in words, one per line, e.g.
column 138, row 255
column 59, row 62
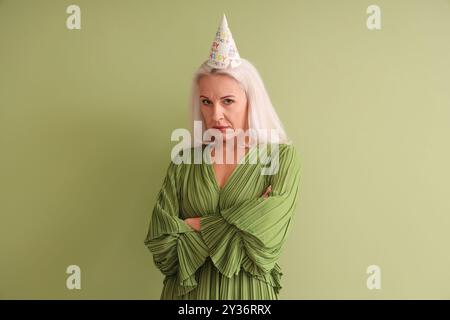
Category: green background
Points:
column 86, row 117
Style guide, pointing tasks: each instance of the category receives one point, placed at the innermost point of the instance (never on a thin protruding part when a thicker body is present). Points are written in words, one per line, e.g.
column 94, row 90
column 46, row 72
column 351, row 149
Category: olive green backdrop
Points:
column 86, row 117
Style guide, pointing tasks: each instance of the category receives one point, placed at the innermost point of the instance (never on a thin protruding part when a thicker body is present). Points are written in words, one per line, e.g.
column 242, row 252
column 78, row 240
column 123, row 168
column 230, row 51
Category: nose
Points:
column 217, row 112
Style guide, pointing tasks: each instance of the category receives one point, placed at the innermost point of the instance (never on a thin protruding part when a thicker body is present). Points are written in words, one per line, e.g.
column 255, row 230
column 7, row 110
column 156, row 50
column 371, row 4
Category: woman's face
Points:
column 223, row 103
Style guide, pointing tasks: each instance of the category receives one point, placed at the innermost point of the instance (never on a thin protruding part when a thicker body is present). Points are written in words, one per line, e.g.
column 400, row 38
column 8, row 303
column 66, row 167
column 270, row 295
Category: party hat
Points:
column 223, row 50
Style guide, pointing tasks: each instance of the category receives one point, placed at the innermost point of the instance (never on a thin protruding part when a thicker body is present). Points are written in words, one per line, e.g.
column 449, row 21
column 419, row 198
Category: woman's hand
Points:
column 268, row 190
column 194, row 223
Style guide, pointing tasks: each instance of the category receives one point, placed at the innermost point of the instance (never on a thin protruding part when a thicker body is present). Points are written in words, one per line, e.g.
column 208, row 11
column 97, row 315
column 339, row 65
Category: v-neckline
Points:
column 233, row 173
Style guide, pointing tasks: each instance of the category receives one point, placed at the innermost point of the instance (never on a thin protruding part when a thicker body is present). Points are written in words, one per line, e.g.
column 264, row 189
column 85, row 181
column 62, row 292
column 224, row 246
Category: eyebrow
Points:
column 221, row 97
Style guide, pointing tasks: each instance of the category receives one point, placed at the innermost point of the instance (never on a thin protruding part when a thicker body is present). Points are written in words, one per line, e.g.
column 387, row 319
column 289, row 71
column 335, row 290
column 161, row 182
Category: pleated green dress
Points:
column 235, row 254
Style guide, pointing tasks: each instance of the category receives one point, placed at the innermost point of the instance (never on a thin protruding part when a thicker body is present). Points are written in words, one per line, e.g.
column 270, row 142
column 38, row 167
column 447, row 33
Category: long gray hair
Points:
column 262, row 116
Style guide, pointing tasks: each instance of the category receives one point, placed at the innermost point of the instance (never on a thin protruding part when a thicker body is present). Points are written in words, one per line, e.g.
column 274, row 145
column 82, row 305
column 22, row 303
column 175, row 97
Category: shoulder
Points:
column 286, row 153
column 287, row 148
column 182, row 159
column 286, row 159
column 290, row 151
column 278, row 159
column 186, row 156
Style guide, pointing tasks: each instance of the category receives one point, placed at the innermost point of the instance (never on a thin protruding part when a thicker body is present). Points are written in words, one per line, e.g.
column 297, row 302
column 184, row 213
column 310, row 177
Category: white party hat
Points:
column 223, row 50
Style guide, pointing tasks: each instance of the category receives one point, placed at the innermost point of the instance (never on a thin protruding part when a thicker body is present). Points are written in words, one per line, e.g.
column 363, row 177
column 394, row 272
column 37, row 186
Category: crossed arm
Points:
column 195, row 222
column 248, row 235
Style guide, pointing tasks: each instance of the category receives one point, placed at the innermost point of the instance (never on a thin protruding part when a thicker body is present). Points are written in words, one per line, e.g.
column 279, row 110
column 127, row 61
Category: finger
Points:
column 268, row 190
column 188, row 221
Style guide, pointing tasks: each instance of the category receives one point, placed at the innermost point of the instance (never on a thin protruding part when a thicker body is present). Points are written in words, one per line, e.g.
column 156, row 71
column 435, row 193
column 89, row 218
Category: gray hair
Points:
column 262, row 116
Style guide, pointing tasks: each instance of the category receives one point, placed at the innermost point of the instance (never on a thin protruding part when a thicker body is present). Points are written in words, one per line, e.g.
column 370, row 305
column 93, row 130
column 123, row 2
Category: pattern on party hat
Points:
column 223, row 50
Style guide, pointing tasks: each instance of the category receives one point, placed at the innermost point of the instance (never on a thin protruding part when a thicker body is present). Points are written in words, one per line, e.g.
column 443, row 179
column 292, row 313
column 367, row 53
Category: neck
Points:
column 228, row 151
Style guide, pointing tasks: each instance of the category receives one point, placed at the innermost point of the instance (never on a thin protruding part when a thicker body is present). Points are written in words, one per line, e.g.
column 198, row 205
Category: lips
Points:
column 221, row 128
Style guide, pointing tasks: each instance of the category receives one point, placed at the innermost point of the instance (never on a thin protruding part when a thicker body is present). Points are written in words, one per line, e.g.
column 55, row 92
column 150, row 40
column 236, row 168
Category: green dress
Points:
column 235, row 254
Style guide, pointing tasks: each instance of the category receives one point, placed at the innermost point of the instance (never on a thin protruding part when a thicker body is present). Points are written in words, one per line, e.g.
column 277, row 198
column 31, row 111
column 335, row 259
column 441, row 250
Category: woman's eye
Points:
column 226, row 101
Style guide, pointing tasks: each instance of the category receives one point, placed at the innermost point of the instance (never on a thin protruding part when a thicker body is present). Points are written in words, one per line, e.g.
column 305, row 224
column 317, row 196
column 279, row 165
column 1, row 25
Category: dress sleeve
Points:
column 250, row 234
column 178, row 250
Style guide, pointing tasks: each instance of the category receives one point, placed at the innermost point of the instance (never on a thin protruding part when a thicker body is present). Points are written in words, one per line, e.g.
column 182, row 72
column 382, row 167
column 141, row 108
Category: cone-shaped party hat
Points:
column 223, row 50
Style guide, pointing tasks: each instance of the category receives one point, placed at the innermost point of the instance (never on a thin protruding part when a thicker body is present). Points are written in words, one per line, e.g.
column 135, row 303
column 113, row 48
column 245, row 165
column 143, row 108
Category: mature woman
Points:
column 218, row 228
